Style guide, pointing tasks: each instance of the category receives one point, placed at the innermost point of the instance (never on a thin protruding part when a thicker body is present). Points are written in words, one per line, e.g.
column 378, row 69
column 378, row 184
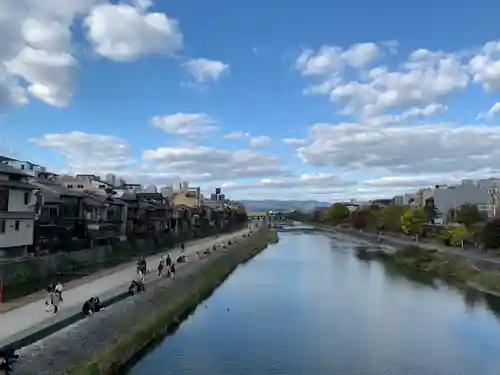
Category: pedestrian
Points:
column 58, row 289
column 168, row 261
column 172, row 270
column 182, row 246
column 161, row 266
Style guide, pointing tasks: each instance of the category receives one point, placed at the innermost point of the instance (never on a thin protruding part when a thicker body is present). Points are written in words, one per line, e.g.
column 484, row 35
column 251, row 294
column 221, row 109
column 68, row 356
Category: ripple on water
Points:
column 308, row 306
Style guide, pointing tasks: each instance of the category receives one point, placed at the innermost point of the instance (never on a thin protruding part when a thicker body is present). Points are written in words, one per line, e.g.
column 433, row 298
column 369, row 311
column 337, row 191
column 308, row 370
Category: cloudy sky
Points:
column 314, row 99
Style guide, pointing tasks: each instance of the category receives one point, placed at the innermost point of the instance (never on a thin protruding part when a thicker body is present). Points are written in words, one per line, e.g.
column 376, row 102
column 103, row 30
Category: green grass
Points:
column 455, row 271
column 273, row 236
column 113, row 360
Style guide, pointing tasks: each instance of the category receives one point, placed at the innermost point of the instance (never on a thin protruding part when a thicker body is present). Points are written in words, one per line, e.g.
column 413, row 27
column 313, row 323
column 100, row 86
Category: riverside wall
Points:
column 104, row 343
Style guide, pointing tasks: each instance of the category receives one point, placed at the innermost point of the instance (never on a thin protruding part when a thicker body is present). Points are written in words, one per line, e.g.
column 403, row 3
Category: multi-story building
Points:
column 17, row 211
column 445, row 198
column 27, row 167
column 85, row 183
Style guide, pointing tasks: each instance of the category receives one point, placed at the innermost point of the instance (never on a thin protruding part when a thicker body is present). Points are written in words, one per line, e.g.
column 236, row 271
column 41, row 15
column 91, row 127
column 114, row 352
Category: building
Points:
column 445, row 198
column 27, row 167
column 84, row 183
column 17, row 211
column 110, row 179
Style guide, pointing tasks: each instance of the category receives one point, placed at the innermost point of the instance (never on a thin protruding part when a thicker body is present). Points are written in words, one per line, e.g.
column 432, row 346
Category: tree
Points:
column 491, row 234
column 454, row 235
column 337, row 213
column 389, row 218
column 363, row 218
column 469, row 214
column 413, row 219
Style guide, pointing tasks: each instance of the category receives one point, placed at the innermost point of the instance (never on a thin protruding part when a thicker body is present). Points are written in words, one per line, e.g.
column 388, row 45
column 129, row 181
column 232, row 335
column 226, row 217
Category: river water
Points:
column 309, row 306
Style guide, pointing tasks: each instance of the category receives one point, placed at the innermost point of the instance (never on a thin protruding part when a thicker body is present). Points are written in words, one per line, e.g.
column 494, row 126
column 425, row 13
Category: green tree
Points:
column 454, row 235
column 413, row 219
column 337, row 213
column 469, row 214
column 389, row 218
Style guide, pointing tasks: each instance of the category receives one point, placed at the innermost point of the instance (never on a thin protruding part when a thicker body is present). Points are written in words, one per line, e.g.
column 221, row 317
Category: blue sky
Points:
column 379, row 97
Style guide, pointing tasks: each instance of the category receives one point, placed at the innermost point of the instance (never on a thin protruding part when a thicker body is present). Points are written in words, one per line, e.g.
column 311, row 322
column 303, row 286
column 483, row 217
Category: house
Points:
column 59, row 214
column 84, row 183
column 145, row 211
column 27, row 167
column 105, row 217
column 17, row 211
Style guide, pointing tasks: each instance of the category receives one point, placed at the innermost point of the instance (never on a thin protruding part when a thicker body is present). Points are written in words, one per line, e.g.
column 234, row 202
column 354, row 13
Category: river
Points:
column 309, row 306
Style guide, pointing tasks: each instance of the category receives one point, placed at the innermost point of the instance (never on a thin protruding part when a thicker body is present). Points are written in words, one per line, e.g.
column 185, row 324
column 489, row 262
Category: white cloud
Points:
column 260, row 141
column 361, row 54
column 294, row 141
column 236, row 135
column 186, row 124
column 433, row 148
column 123, row 32
column 50, row 75
column 425, row 79
column 208, row 163
column 89, row 153
column 35, row 43
column 485, row 67
column 204, row 70
column 493, row 112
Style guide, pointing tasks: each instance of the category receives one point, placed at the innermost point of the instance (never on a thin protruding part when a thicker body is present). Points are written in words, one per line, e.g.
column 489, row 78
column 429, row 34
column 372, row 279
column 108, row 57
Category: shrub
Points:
column 491, row 234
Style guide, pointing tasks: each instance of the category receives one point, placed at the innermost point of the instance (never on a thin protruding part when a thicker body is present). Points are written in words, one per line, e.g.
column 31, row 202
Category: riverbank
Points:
column 273, row 236
column 451, row 269
column 28, row 276
column 106, row 342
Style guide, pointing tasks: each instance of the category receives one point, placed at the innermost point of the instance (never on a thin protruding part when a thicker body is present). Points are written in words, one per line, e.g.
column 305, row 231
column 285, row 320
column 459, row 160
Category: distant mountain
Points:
column 276, row 205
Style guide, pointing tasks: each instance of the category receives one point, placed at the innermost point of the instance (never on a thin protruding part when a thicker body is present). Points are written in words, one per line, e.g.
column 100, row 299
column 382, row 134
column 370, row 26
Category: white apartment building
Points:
column 446, row 198
column 84, row 183
column 27, row 167
column 17, row 206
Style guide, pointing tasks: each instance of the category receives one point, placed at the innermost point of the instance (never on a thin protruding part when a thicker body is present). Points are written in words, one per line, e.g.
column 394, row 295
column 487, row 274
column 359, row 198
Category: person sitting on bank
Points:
column 136, row 287
column 8, row 356
column 182, row 258
column 91, row 306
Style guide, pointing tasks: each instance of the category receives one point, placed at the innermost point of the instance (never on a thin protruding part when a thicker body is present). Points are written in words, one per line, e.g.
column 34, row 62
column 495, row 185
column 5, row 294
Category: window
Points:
column 26, row 198
column 2, row 226
column 16, row 225
column 22, row 167
column 4, row 199
column 70, row 186
column 102, row 186
column 80, row 186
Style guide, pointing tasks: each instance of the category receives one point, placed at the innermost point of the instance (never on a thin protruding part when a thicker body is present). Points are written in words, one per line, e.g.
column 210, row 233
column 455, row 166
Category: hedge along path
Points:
column 107, row 341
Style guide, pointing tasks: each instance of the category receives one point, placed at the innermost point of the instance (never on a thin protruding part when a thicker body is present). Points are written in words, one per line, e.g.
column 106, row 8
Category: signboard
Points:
column 213, row 197
column 217, row 190
column 222, row 197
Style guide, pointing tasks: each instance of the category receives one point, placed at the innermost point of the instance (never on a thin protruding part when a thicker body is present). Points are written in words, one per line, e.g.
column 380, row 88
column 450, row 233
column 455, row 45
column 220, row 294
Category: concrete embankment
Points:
column 107, row 341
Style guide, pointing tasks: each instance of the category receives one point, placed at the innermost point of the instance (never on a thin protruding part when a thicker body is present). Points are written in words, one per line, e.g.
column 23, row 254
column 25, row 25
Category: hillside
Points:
column 285, row 205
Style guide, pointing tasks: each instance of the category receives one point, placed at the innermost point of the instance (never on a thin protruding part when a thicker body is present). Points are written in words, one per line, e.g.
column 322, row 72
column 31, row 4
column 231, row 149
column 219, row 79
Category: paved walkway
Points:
column 21, row 321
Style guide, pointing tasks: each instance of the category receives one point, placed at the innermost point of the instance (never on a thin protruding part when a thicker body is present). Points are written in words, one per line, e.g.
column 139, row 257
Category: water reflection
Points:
column 308, row 306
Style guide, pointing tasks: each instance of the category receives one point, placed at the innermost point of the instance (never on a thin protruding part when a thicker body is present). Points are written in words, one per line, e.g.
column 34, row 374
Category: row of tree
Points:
column 469, row 224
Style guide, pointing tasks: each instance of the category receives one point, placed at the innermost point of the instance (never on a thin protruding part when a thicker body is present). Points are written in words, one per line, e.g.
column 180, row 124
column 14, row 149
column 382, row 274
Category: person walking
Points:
column 172, row 270
column 161, row 266
column 58, row 290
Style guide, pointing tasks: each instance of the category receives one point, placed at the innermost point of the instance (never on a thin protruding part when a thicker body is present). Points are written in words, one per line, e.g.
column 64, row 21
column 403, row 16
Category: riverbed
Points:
column 309, row 306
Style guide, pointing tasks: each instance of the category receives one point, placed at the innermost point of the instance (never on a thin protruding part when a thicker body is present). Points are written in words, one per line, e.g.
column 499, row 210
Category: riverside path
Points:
column 32, row 317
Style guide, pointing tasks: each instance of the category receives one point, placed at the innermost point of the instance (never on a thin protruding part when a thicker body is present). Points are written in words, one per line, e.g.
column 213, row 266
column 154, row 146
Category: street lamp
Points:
column 493, row 193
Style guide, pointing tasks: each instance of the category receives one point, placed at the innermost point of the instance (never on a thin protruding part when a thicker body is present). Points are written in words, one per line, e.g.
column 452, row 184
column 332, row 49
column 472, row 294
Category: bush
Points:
column 454, row 235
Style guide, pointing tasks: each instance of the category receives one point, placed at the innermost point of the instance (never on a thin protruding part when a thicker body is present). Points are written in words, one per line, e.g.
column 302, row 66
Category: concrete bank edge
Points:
column 214, row 272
